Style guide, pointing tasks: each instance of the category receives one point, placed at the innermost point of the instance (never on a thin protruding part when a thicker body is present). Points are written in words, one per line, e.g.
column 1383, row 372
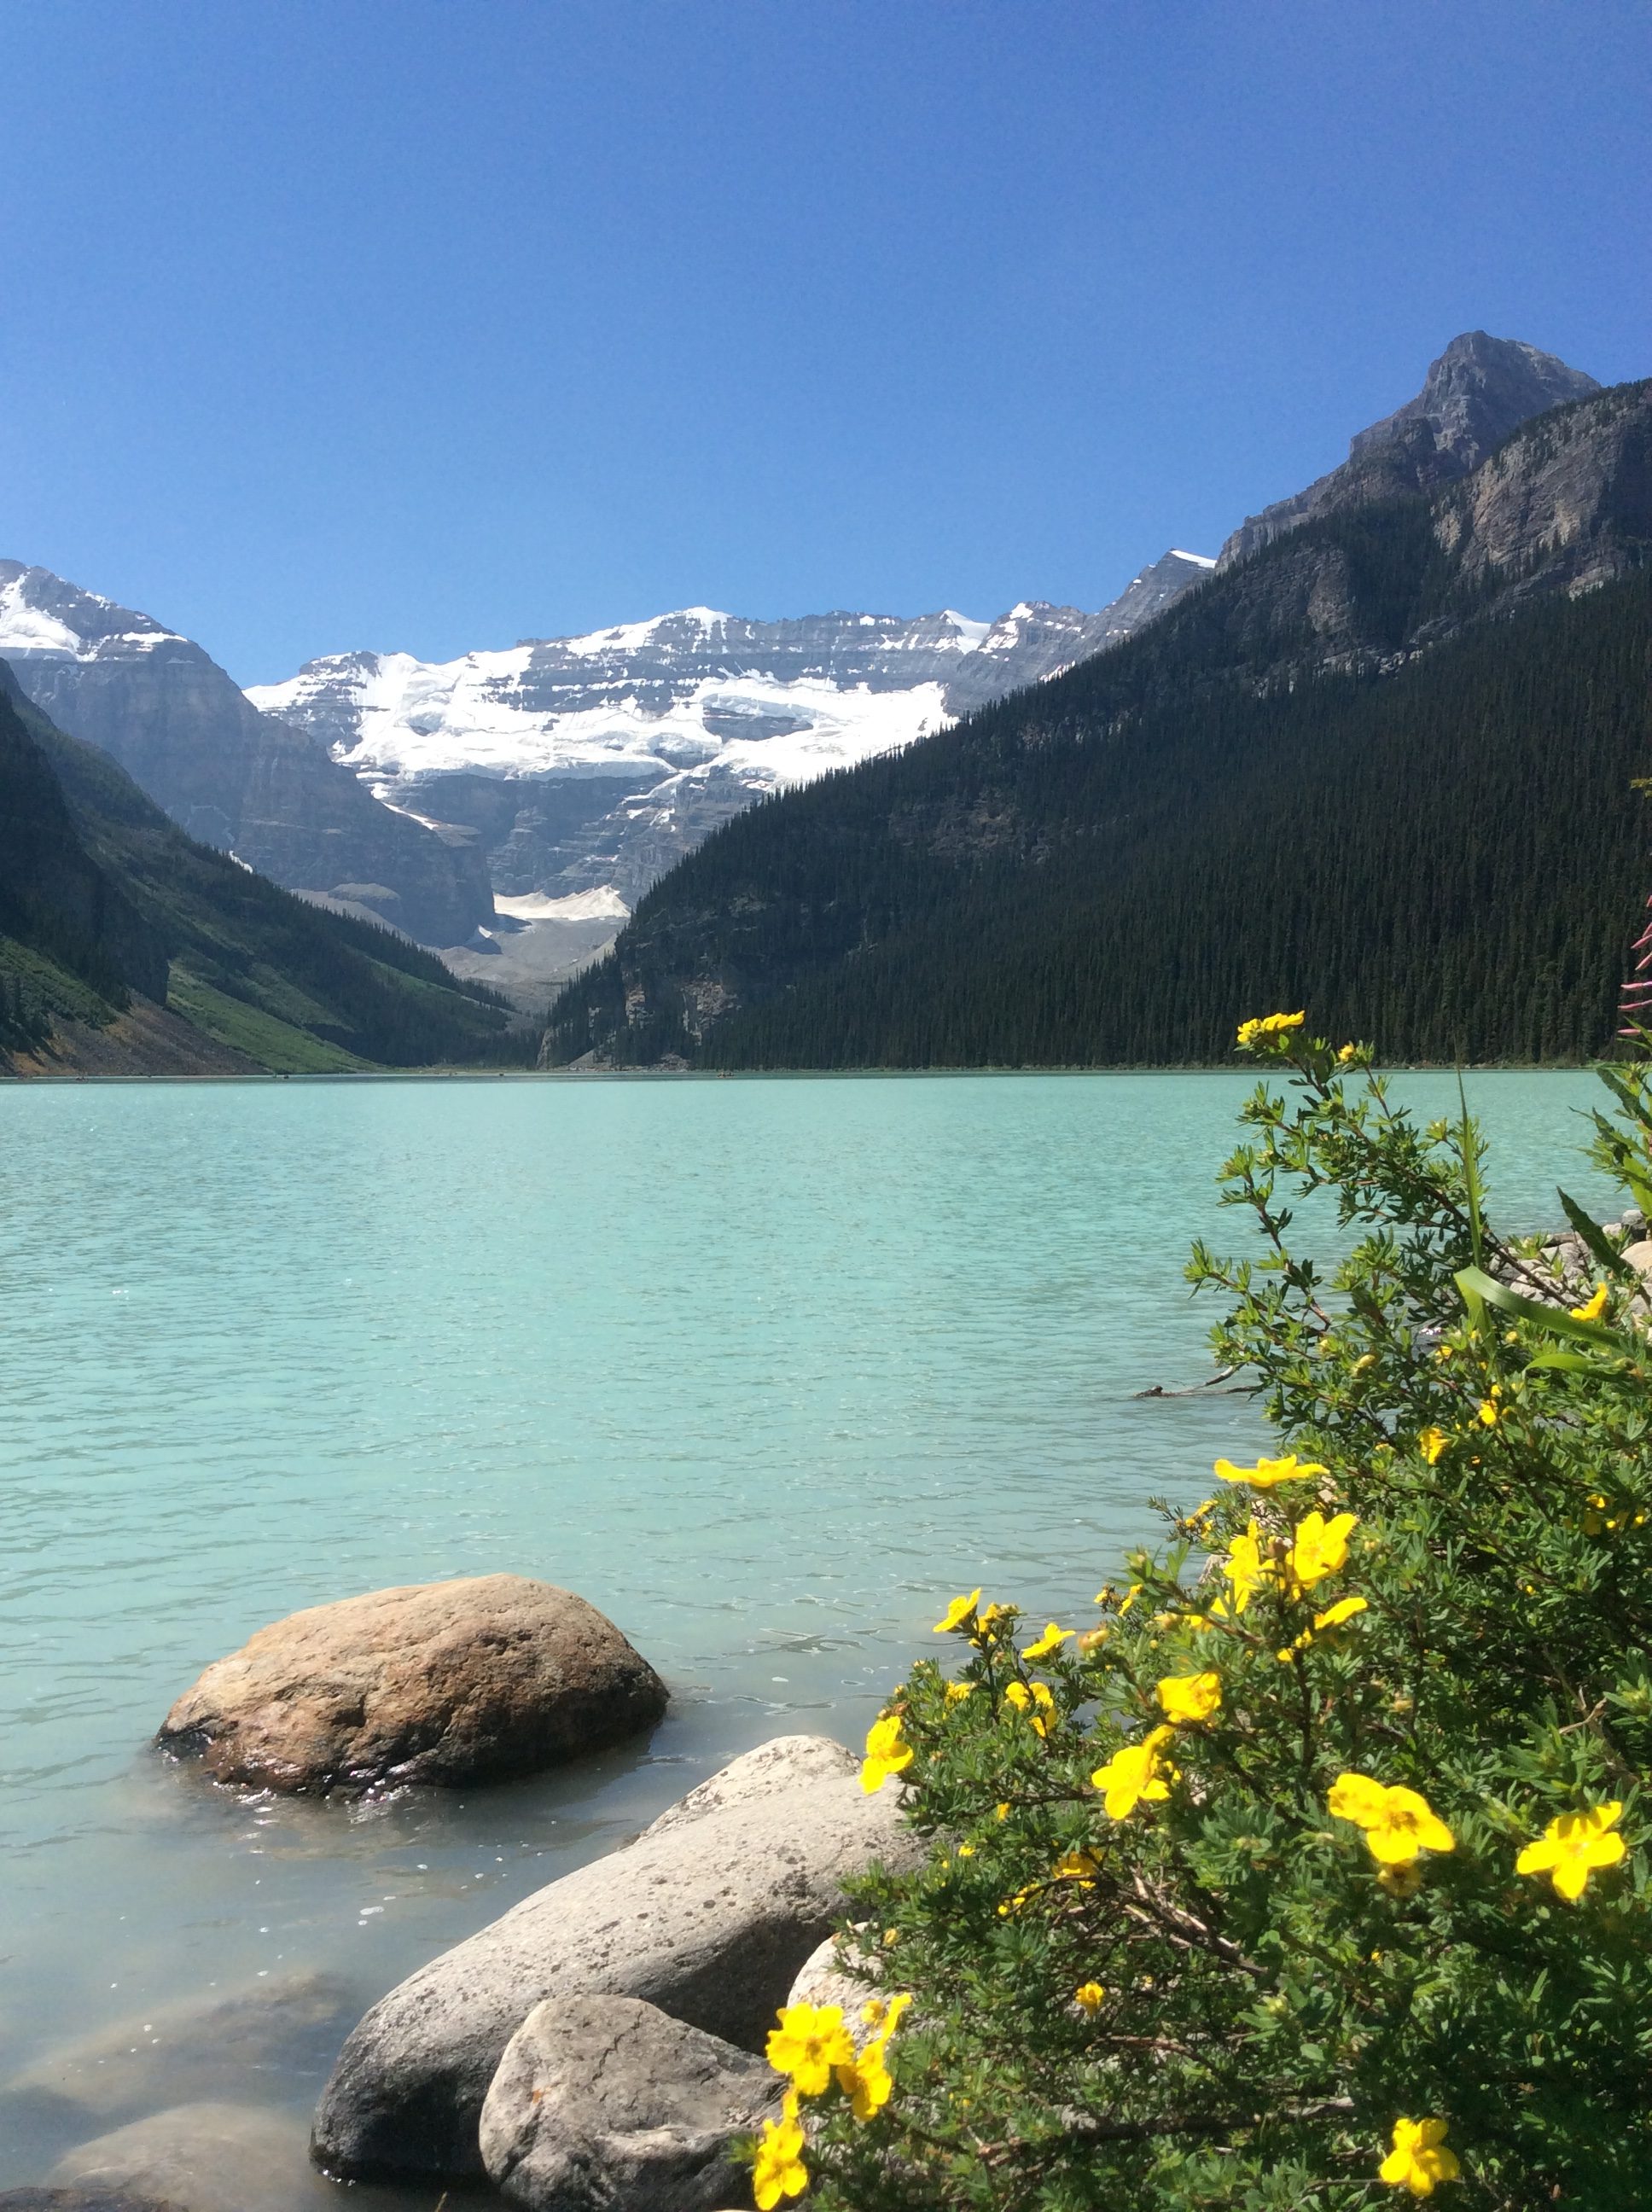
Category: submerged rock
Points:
column 436, row 1682
column 707, row 1915
column 201, row 2158
column 79, row 2200
column 192, row 2049
column 606, row 2104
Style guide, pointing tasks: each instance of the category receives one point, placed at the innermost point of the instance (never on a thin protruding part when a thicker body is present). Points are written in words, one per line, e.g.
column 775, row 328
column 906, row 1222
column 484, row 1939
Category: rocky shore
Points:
column 595, row 2049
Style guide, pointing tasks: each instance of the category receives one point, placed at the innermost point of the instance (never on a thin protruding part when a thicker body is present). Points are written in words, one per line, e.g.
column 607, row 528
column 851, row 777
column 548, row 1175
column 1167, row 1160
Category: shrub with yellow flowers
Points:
column 1313, row 1871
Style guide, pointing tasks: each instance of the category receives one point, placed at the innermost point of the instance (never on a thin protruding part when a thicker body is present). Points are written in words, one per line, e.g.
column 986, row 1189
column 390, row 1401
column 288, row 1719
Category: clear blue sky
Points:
column 432, row 324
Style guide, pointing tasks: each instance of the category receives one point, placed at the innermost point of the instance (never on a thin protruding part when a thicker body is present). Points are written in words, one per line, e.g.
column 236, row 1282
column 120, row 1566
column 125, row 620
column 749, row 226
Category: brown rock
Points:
column 436, row 1682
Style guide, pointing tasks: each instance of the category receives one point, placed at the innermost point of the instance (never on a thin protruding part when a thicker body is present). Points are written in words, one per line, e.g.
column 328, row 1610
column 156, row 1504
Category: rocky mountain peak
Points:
column 1476, row 394
column 1478, row 391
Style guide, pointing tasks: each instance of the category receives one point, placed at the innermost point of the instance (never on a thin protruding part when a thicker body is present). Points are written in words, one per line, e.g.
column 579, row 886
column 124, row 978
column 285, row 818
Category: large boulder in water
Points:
column 606, row 2104
column 708, row 1915
column 437, row 1682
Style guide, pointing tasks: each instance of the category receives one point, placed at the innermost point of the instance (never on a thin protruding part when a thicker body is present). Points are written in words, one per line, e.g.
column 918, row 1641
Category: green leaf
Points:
column 1594, row 1239
column 1479, row 1288
column 1466, row 1146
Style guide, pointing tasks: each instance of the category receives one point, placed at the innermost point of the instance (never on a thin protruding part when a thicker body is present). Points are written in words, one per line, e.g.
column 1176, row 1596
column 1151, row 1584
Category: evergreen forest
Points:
column 1439, row 849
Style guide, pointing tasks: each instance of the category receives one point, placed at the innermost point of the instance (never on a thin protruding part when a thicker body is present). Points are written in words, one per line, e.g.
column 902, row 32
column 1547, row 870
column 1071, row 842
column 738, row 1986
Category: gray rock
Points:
column 436, row 1682
column 832, row 1976
column 193, row 2048
column 603, row 2104
column 204, row 2158
column 79, row 2200
column 708, row 1915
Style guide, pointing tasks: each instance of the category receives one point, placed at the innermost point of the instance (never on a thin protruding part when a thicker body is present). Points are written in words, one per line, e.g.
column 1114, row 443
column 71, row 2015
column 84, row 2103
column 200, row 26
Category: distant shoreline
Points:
column 587, row 1075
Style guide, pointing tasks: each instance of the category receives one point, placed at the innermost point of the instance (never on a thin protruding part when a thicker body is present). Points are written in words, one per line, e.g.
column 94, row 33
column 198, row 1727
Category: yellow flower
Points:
column 1346, row 1053
column 1571, row 1848
column 1264, row 1028
column 887, row 1753
column 866, row 2080
column 1090, row 1995
column 1333, row 1617
column 957, row 1613
column 957, row 1692
column 1400, row 1881
column 1344, row 1609
column 1036, row 1703
column 1002, row 1811
column 1051, row 1640
column 1077, row 1866
column 966, row 1851
column 1093, row 1639
column 1489, row 1413
column 1107, row 1593
column 1592, row 1308
column 1246, row 1570
column 778, row 2170
column 1268, row 1473
column 1189, row 1698
column 1416, row 2162
column 1318, row 1548
column 809, row 2041
column 1399, row 1823
column 1431, row 1442
column 1138, row 1774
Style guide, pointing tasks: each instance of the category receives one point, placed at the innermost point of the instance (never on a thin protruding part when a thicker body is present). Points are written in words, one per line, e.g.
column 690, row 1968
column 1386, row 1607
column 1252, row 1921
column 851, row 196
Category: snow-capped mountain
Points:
column 588, row 765
column 232, row 777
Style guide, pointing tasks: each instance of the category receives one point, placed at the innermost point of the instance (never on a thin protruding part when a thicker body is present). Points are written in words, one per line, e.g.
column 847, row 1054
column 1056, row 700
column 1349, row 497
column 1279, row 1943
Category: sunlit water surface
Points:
column 764, row 1369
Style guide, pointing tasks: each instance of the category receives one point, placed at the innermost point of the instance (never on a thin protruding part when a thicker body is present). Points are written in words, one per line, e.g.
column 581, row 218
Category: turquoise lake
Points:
column 765, row 1369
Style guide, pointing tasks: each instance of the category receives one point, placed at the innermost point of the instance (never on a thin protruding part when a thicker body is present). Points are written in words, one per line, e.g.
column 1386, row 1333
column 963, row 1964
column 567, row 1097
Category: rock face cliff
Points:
column 586, row 765
column 1478, row 391
column 229, row 775
column 55, row 898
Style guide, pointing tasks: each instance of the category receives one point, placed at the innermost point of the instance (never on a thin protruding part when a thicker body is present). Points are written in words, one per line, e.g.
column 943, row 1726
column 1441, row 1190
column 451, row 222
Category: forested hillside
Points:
column 102, row 897
column 1383, row 766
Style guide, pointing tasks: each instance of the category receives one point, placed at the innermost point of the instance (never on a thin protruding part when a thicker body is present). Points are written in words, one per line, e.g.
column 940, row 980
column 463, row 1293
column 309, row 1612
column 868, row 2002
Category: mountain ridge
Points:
column 227, row 775
column 1360, row 590
column 592, row 762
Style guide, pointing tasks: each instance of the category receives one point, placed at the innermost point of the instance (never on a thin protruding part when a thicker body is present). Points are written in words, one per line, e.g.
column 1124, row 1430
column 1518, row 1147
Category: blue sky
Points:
column 393, row 324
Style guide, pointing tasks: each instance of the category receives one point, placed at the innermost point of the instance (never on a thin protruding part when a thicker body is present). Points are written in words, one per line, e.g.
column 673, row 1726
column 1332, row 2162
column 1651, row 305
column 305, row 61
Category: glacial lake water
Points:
column 765, row 1369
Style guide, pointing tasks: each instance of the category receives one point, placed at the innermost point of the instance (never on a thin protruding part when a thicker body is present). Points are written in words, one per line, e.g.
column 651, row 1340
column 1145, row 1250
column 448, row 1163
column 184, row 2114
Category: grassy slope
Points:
column 294, row 988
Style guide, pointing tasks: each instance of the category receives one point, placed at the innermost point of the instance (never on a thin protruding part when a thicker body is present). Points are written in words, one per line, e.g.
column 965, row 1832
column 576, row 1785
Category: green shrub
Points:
column 1314, row 1873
